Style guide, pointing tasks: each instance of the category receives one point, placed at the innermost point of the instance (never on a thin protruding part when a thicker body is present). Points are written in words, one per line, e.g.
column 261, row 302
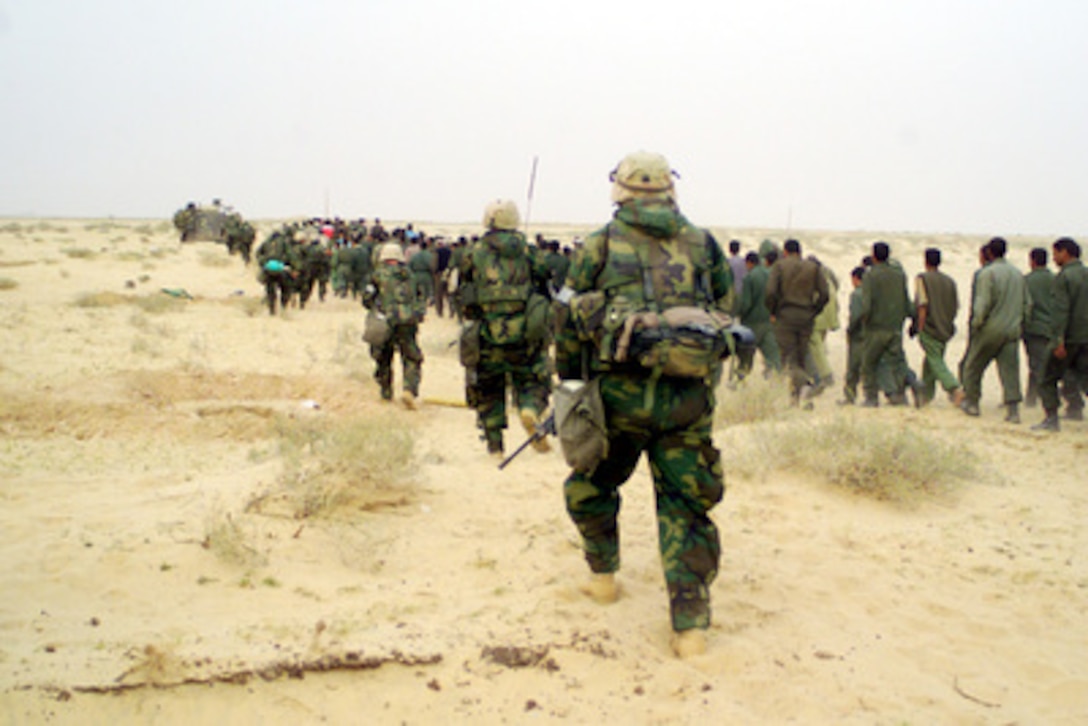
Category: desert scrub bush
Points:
column 157, row 303
column 100, row 300
column 154, row 303
column 884, row 459
column 753, row 400
column 361, row 462
column 79, row 253
column 224, row 538
column 6, row 283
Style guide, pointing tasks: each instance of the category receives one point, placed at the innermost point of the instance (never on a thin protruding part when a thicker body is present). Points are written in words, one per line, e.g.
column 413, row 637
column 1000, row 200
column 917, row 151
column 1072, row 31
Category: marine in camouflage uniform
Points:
column 316, row 267
column 240, row 235
column 394, row 293
column 278, row 261
column 422, row 264
column 650, row 257
column 497, row 276
column 185, row 220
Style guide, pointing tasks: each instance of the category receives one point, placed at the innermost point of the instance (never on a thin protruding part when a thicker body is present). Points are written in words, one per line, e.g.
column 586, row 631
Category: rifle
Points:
column 544, row 428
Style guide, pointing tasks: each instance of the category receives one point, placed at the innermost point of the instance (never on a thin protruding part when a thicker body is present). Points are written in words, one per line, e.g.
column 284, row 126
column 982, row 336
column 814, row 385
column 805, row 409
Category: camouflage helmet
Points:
column 391, row 251
column 642, row 174
column 501, row 214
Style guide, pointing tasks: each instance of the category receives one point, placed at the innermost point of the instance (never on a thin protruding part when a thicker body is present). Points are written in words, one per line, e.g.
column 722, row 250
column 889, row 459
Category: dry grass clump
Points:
column 337, row 464
column 887, row 460
column 6, row 283
column 79, row 253
column 100, row 300
column 154, row 303
column 753, row 400
column 224, row 538
column 210, row 258
column 157, row 303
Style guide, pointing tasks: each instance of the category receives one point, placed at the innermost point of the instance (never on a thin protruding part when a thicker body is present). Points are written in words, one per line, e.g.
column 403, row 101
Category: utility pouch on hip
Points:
column 469, row 350
column 538, row 318
column 580, row 424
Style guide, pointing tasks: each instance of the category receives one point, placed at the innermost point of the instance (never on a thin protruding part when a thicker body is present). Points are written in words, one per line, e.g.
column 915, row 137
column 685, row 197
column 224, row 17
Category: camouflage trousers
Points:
column 675, row 433
column 403, row 340
column 276, row 284
column 524, row 368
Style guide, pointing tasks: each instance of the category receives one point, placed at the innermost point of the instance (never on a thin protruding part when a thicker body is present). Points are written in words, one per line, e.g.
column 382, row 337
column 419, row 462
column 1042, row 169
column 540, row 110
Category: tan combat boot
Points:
column 409, row 400
column 687, row 643
column 529, row 420
column 602, row 588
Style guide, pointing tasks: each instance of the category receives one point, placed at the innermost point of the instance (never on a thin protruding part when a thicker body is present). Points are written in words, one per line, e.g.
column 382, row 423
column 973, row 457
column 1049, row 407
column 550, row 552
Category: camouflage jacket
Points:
column 397, row 295
column 498, row 273
column 238, row 230
column 648, row 258
column 273, row 248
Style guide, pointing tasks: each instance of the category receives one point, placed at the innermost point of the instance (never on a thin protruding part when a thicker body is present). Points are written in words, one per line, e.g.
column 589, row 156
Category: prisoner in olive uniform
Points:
column 936, row 303
column 1000, row 305
column 751, row 309
column 650, row 258
column 498, row 278
column 885, row 305
column 393, row 292
column 797, row 292
column 1068, row 329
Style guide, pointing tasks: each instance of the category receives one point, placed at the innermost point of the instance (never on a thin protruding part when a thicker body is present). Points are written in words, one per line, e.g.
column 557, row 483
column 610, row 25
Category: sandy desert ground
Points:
column 160, row 563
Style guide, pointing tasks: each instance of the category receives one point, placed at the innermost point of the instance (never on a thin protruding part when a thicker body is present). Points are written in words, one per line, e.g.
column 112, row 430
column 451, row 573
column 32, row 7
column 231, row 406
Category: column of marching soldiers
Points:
column 339, row 257
column 1008, row 310
column 637, row 323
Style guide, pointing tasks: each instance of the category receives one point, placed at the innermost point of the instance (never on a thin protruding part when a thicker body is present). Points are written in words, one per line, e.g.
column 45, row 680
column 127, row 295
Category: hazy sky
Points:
column 935, row 115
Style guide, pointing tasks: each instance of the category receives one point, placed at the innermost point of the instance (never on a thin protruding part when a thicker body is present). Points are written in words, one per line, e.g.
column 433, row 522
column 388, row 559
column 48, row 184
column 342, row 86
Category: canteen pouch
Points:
column 376, row 328
column 580, row 424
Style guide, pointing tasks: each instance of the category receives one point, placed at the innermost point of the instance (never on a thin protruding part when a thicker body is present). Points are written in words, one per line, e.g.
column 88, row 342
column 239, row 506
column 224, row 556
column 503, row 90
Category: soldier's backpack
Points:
column 397, row 299
column 501, row 286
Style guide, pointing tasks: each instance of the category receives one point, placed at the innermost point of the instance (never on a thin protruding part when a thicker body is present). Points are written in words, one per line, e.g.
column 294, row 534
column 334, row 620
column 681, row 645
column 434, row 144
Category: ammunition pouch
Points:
column 684, row 342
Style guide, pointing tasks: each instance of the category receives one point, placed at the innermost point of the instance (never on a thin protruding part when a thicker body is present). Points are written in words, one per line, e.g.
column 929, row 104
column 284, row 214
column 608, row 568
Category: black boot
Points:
column 1050, row 423
column 1012, row 414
